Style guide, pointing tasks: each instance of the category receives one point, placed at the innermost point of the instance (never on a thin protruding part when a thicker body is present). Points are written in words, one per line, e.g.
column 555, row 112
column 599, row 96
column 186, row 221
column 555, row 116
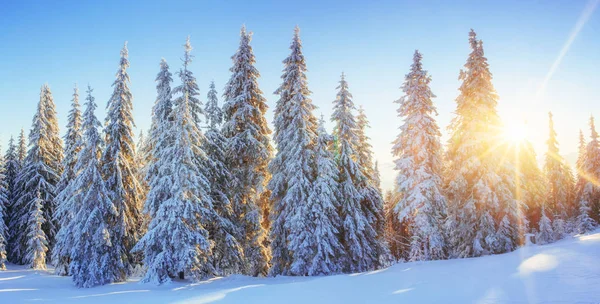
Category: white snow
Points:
column 567, row 271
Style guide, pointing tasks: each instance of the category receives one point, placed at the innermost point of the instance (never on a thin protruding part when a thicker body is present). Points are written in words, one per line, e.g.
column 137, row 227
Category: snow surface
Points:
column 567, row 271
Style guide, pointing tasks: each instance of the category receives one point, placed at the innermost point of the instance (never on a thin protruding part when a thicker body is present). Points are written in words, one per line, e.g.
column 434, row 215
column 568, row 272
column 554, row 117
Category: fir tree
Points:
column 94, row 257
column 228, row 254
column 190, row 86
column 358, row 235
column 22, row 148
column 118, row 167
column 419, row 164
column 4, row 196
column 73, row 144
column 37, row 180
column 248, row 152
column 37, row 244
column 177, row 241
column 584, row 190
column 158, row 139
column 530, row 182
column 545, row 234
column 559, row 194
column 592, row 169
column 322, row 245
column 483, row 216
column 292, row 170
column 12, row 167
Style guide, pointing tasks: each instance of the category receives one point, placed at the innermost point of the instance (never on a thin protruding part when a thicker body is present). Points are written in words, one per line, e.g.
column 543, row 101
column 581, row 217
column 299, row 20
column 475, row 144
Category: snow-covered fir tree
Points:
column 12, row 166
column 228, row 256
column 94, row 259
column 119, row 168
column 358, row 234
column 4, row 196
column 64, row 214
column 158, row 138
column 292, row 169
column 248, row 153
column 560, row 181
column 37, row 179
column 545, row 234
column 22, row 147
column 177, row 241
column 584, row 188
column 322, row 246
column 592, row 170
column 372, row 203
column 37, row 243
column 483, row 216
column 418, row 152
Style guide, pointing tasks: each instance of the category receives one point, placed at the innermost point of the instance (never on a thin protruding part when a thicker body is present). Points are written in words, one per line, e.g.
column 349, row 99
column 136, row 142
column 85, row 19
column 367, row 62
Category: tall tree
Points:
column 177, row 241
column 190, row 86
column 228, row 255
column 22, row 148
column 64, row 214
column 418, row 155
column 321, row 245
column 37, row 243
column 37, row 181
column 158, row 139
column 358, row 235
column 583, row 190
column 4, row 196
column 94, row 258
column 559, row 194
column 483, row 216
column 118, row 167
column 592, row 169
column 292, row 168
column 11, row 170
column 248, row 152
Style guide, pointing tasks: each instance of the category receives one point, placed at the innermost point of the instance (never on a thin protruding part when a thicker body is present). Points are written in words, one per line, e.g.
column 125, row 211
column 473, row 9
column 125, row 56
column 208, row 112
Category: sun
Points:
column 516, row 131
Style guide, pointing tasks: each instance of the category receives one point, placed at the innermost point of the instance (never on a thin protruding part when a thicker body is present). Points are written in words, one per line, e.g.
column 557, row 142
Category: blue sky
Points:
column 371, row 41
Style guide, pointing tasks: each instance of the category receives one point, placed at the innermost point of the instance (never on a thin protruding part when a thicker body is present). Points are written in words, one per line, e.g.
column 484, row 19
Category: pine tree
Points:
column 4, row 196
column 358, row 235
column 419, row 163
column 228, row 254
column 22, row 148
column 324, row 250
column 292, row 170
column 64, row 214
column 94, row 257
column 483, row 216
column 372, row 202
column 37, row 244
column 584, row 189
column 545, row 234
column 190, row 86
column 118, row 167
column 560, row 182
column 37, row 180
column 592, row 169
column 177, row 241
column 248, row 152
column 12, row 168
column 158, row 139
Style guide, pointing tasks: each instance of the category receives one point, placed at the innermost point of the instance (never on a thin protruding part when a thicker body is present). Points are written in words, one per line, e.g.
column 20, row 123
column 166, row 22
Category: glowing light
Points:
column 516, row 132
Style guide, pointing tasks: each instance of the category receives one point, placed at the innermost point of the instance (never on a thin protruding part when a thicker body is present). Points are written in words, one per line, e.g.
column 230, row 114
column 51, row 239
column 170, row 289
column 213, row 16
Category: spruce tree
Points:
column 322, row 246
column 583, row 221
column 292, row 170
column 545, row 234
column 592, row 169
column 4, row 196
column 94, row 258
column 418, row 155
column 12, row 166
column 559, row 194
column 228, row 256
column 483, row 216
column 177, row 242
column 158, row 139
column 64, row 213
column 190, row 86
column 37, row 243
column 22, row 148
column 248, row 153
column 118, row 167
column 530, row 182
column 36, row 181
column 359, row 235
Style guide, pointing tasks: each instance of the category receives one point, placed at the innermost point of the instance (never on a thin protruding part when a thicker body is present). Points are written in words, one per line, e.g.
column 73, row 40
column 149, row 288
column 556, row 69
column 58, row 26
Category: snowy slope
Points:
column 564, row 272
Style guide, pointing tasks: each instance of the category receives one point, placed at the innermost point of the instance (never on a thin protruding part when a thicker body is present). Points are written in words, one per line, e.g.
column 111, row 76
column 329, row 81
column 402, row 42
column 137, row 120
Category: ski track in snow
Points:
column 567, row 271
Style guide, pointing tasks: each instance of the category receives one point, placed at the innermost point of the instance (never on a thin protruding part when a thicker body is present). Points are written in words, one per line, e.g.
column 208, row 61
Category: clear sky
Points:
column 67, row 42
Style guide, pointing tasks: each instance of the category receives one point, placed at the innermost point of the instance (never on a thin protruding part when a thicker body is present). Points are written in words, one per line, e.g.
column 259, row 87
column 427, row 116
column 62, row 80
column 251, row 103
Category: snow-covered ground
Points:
column 564, row 272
